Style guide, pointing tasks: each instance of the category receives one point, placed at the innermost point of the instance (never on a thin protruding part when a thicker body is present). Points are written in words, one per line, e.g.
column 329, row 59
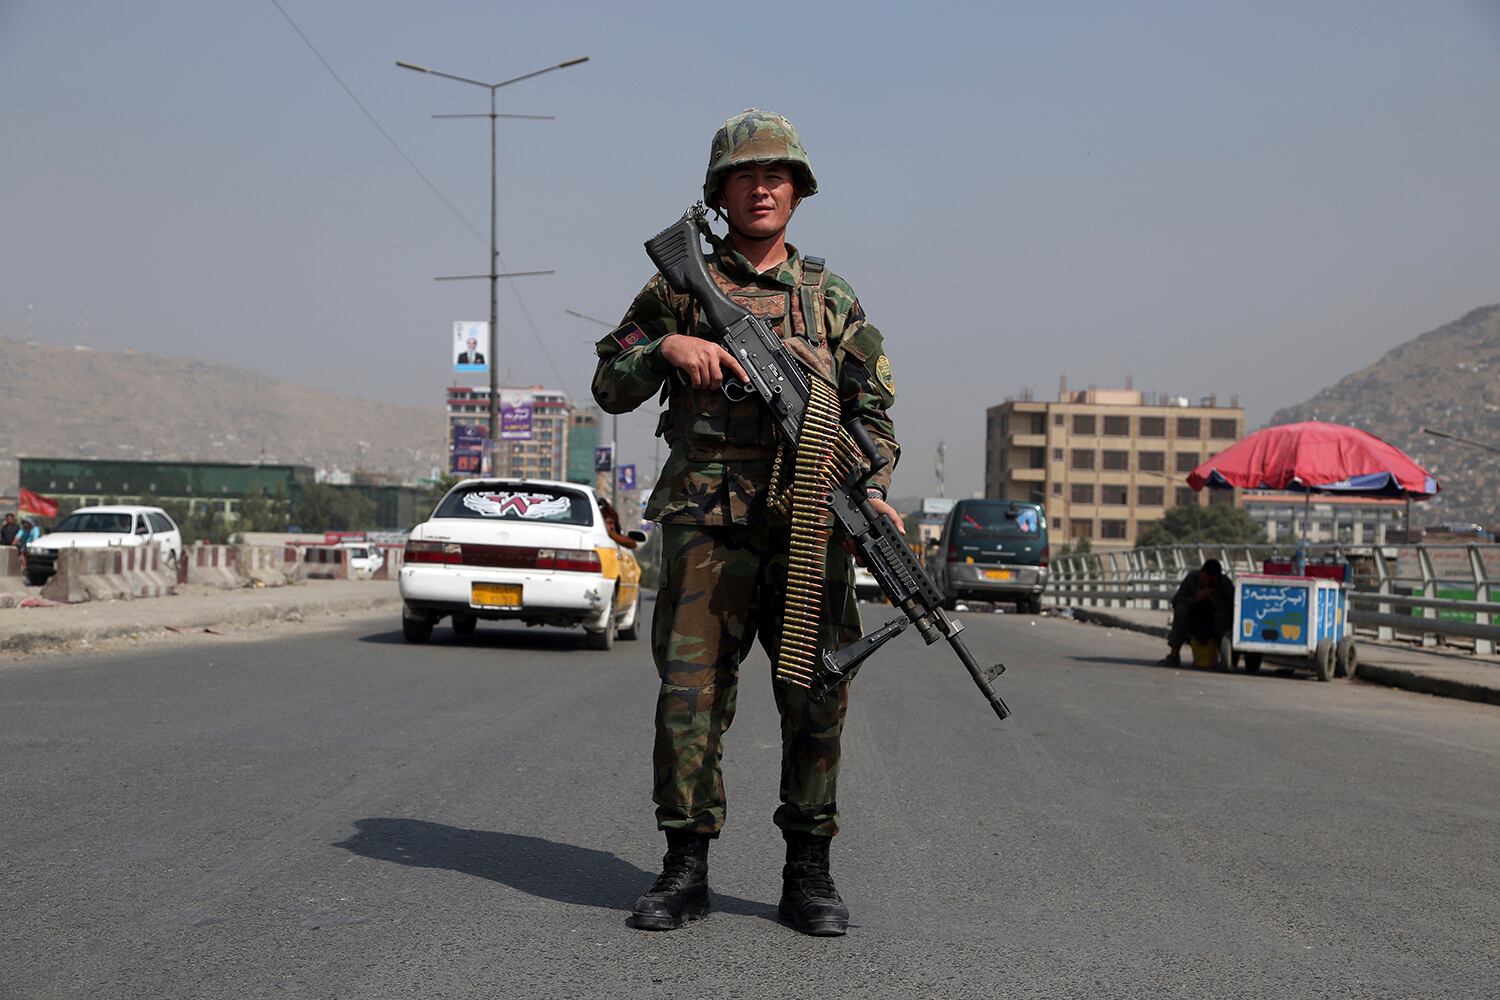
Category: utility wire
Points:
column 431, row 186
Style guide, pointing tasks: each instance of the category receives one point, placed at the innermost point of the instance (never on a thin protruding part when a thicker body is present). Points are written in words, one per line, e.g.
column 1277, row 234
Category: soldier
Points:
column 724, row 554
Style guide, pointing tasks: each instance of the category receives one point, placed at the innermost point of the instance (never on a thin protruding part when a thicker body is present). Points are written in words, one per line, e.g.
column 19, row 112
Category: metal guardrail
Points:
column 1442, row 586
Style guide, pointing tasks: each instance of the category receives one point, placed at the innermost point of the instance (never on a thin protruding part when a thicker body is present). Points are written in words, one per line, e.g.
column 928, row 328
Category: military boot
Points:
column 680, row 892
column 809, row 902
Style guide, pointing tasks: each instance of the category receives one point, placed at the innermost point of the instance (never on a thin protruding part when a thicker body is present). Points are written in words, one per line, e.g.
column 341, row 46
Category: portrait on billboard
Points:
column 470, row 340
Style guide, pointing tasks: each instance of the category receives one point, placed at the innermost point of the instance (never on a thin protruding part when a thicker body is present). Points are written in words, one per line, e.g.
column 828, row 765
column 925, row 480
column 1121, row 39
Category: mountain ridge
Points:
column 1447, row 379
column 58, row 402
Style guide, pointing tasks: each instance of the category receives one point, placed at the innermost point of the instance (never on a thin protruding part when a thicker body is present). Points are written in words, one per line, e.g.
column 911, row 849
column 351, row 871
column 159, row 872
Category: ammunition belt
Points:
column 825, row 454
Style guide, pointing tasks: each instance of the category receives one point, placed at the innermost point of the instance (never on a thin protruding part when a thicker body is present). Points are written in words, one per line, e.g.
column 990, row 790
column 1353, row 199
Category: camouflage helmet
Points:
column 756, row 136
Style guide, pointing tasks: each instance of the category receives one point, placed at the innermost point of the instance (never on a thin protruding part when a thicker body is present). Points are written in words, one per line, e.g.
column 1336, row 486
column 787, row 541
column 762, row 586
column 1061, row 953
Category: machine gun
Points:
column 794, row 400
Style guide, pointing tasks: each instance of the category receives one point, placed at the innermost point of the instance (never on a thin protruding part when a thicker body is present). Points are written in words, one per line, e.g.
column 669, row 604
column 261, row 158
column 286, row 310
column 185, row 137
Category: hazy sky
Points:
column 1251, row 198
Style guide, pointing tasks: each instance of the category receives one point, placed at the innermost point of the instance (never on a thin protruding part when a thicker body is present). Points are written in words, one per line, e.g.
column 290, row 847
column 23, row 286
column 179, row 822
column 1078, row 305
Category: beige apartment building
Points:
column 1105, row 462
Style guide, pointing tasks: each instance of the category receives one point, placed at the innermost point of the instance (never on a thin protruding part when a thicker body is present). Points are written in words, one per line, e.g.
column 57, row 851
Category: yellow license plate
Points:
column 495, row 595
column 997, row 574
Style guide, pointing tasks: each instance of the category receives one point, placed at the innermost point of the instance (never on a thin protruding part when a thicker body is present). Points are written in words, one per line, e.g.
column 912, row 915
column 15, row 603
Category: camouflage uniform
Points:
column 724, row 553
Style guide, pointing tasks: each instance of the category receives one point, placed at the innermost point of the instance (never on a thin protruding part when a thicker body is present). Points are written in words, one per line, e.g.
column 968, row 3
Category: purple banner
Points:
column 515, row 416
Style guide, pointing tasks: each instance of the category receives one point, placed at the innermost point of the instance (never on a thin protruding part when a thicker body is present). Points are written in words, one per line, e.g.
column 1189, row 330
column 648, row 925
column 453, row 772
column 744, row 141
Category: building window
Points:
column 1150, row 496
column 1057, row 454
column 1057, row 489
column 1185, row 497
column 1189, row 427
column 1111, row 529
column 1083, row 458
column 1218, row 498
column 1038, row 458
column 1187, row 461
column 1083, row 423
column 1153, row 427
column 1082, row 493
column 1038, row 423
column 1117, row 427
column 1080, row 528
column 1116, row 461
column 1151, row 461
column 1223, row 429
column 1057, row 419
column 1115, row 496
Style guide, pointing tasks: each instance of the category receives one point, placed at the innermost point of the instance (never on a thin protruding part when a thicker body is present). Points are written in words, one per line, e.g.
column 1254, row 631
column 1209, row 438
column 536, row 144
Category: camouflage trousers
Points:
column 720, row 587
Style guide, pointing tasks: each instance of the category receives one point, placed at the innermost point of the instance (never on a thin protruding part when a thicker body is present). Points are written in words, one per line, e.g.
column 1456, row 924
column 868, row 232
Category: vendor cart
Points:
column 1304, row 617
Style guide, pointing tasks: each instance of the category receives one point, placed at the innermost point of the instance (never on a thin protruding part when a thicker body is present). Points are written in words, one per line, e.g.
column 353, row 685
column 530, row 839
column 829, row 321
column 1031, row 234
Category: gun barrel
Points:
column 980, row 681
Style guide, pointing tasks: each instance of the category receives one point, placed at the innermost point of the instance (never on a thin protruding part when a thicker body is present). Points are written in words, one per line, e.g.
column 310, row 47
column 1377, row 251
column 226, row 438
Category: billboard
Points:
column 469, row 442
column 627, row 477
column 470, row 340
column 515, row 415
column 602, row 459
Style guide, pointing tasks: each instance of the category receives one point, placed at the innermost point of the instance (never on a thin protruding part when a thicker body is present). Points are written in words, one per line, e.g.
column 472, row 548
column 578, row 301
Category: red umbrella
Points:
column 1314, row 457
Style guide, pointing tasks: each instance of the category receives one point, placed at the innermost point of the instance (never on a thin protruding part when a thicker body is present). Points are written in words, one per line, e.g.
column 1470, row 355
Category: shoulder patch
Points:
column 629, row 336
column 884, row 373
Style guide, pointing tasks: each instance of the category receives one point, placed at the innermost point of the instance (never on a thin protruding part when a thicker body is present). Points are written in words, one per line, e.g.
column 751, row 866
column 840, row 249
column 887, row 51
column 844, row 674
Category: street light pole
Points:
column 494, row 274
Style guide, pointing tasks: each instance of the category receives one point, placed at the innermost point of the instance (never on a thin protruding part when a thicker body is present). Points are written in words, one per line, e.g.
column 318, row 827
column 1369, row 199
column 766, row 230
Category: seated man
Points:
column 1202, row 609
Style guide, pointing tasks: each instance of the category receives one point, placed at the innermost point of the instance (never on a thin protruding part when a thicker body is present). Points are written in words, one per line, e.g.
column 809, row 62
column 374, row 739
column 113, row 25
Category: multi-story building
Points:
column 583, row 438
column 1329, row 518
column 541, row 455
column 1105, row 462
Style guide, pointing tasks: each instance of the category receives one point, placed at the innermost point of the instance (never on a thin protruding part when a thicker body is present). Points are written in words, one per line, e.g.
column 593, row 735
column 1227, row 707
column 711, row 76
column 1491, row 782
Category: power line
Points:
column 430, row 186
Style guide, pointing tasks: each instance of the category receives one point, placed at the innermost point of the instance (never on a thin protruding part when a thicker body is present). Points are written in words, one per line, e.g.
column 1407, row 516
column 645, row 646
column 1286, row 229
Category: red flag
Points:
column 35, row 503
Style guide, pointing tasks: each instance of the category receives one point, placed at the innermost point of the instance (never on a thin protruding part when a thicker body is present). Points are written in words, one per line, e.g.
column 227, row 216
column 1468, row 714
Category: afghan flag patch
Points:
column 629, row 336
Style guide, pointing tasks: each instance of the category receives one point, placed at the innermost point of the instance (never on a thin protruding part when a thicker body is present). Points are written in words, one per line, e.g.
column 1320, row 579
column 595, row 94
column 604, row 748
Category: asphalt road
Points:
column 337, row 814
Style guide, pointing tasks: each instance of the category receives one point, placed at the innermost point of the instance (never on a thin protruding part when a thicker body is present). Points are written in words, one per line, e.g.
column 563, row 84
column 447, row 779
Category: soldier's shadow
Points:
column 543, row 868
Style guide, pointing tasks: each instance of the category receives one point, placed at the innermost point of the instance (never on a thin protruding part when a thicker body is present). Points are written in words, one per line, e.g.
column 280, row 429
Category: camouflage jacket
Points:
column 719, row 469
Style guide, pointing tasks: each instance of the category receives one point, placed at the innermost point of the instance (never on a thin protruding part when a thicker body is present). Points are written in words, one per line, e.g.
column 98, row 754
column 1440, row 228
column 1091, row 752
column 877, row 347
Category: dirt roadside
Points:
column 193, row 613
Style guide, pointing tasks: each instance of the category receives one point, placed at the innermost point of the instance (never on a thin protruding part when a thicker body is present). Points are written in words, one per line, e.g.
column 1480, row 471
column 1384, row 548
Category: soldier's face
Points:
column 759, row 199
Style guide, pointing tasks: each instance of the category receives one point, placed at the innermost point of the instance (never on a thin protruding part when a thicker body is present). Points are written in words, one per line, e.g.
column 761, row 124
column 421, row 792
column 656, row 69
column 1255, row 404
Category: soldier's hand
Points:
column 703, row 361
column 882, row 507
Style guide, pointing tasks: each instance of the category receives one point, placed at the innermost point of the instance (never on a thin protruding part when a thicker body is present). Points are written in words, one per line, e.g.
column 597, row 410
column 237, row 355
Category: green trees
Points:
column 1222, row 524
column 320, row 507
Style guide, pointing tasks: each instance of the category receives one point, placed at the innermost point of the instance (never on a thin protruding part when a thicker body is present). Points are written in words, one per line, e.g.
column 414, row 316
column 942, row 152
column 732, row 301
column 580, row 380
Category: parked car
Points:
column 993, row 550
column 531, row 550
column 365, row 559
column 101, row 527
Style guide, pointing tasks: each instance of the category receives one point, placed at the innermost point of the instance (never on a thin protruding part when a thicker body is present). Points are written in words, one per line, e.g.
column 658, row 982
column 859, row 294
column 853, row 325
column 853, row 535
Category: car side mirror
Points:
column 638, row 536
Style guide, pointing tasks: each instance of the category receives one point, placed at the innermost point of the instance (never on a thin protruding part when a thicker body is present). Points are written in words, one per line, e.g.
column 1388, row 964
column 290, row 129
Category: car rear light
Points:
column 573, row 560
column 442, row 553
column 953, row 552
column 1046, row 557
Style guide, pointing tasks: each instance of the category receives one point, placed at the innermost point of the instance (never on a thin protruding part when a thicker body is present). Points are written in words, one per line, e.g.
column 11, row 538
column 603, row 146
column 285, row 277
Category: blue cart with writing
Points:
column 1303, row 617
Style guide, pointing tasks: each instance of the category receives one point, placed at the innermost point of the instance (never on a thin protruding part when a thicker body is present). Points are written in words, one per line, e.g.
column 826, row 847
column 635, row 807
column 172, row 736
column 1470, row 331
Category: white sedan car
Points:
column 531, row 550
column 101, row 527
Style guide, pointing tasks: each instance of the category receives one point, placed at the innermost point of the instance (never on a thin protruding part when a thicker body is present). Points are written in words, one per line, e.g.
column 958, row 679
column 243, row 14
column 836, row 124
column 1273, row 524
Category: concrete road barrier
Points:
column 213, row 566
column 269, row 565
column 394, row 557
column 12, row 583
column 325, row 562
column 110, row 574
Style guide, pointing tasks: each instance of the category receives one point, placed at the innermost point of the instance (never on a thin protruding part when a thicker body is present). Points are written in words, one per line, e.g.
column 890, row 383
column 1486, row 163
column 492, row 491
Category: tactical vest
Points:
column 710, row 427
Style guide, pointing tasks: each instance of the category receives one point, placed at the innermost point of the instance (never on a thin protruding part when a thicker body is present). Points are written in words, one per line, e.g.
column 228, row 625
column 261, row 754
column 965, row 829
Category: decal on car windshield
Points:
column 532, row 506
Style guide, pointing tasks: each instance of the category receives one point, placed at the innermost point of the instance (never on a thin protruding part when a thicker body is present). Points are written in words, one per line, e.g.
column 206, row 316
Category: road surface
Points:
column 334, row 813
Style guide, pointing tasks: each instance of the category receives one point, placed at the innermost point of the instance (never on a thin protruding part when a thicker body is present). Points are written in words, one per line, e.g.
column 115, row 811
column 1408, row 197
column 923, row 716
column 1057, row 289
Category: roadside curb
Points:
column 40, row 639
column 1370, row 673
column 1094, row 616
